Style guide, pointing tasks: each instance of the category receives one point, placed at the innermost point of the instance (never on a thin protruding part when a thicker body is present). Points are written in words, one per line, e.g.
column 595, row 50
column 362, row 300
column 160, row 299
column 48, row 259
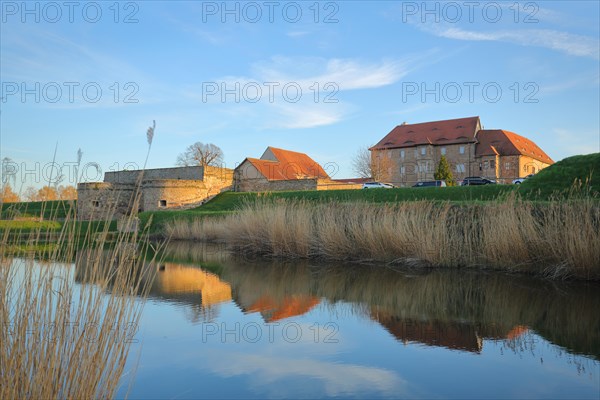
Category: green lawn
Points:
column 49, row 210
column 558, row 180
column 229, row 202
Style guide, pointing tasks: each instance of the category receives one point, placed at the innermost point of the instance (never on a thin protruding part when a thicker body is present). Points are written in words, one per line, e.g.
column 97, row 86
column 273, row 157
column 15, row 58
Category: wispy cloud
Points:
column 348, row 74
column 293, row 116
column 320, row 82
column 568, row 43
column 295, row 34
column 335, row 379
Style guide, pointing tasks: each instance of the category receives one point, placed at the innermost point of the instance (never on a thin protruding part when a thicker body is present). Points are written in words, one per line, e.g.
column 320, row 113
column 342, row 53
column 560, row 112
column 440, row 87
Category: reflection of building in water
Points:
column 274, row 310
column 455, row 335
column 180, row 281
column 450, row 308
column 200, row 291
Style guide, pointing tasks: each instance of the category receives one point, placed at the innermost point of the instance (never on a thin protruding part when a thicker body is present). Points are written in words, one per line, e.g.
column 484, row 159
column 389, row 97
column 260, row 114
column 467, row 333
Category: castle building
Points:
column 414, row 151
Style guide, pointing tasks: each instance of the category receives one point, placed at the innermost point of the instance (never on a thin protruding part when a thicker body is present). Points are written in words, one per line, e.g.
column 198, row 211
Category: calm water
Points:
column 218, row 326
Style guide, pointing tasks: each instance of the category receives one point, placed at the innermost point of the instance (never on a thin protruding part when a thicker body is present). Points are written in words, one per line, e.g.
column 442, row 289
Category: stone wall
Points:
column 328, row 184
column 101, row 200
column 114, row 199
column 171, row 194
column 131, row 177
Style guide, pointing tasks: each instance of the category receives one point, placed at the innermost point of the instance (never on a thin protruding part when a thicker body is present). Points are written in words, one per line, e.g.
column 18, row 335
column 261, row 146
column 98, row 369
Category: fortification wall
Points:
column 102, row 200
column 114, row 198
column 131, row 177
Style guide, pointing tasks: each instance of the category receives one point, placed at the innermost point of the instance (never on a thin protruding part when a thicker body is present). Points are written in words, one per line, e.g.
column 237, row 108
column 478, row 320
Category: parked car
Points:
column 477, row 180
column 430, row 183
column 377, row 185
column 518, row 181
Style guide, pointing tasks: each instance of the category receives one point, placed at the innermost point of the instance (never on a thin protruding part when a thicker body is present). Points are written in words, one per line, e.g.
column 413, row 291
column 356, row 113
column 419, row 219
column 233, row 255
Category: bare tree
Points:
column 372, row 164
column 201, row 154
column 30, row 194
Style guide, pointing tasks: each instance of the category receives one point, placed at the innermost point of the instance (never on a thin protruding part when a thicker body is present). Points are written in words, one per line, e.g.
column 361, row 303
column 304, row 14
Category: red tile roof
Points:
column 289, row 165
column 506, row 143
column 450, row 131
column 290, row 306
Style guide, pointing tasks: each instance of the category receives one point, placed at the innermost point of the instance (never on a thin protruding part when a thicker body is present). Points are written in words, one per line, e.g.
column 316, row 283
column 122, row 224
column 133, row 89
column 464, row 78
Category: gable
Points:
column 506, row 143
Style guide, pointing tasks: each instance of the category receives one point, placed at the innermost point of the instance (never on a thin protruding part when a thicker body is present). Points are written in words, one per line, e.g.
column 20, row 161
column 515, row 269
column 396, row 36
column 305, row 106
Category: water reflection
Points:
column 453, row 309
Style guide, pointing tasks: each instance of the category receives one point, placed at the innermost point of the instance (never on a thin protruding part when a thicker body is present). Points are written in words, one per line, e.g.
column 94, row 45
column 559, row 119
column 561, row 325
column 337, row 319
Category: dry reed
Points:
column 59, row 339
column 554, row 239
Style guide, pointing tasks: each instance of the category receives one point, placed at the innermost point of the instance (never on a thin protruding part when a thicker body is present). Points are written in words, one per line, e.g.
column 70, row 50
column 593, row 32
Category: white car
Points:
column 377, row 185
column 518, row 181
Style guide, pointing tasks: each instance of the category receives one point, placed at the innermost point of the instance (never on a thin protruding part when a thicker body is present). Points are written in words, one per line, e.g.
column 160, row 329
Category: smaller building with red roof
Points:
column 279, row 169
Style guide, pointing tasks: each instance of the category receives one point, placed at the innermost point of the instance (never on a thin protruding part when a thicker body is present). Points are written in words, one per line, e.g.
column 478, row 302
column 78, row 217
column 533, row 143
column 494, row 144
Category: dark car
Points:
column 477, row 180
column 430, row 183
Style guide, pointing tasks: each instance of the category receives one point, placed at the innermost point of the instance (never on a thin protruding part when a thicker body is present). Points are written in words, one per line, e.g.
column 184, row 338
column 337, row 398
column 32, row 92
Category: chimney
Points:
column 404, row 123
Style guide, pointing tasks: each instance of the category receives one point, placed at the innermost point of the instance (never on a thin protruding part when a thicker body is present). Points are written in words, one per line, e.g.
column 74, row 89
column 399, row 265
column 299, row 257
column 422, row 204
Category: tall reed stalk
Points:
column 59, row 339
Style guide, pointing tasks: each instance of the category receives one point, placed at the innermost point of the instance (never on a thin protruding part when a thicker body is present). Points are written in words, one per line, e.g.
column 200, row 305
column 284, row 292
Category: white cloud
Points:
column 294, row 116
column 336, row 379
column 321, row 82
column 572, row 44
column 347, row 74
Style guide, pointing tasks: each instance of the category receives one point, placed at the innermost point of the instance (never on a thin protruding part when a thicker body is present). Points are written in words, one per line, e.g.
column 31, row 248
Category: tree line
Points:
column 45, row 193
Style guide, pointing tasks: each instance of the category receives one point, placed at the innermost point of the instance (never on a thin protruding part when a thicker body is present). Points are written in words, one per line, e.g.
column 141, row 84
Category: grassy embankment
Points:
column 47, row 219
column 556, row 235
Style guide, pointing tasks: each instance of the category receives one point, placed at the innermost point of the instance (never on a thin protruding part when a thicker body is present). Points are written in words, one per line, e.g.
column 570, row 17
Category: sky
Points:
column 324, row 78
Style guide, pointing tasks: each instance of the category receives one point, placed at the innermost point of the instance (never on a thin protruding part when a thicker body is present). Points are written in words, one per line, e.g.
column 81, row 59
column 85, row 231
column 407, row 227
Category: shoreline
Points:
column 556, row 240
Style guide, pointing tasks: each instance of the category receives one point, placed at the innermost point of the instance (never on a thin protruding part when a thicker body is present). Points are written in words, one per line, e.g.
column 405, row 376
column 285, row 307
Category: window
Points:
column 389, row 153
column 461, row 149
column 525, row 168
column 443, row 151
column 486, row 164
column 401, row 153
column 493, row 164
column 507, row 165
column 95, row 203
column 162, row 203
column 402, row 170
column 423, row 151
column 480, row 166
column 416, row 153
column 460, row 168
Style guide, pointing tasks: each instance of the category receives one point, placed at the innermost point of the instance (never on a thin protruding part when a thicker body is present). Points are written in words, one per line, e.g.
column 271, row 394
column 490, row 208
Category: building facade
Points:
column 414, row 152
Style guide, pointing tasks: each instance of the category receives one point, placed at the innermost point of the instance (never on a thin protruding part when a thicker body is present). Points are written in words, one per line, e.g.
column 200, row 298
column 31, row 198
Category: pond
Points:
column 221, row 326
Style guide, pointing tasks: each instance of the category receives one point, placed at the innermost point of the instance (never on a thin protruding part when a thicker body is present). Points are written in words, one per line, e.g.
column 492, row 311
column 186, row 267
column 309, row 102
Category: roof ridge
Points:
column 441, row 120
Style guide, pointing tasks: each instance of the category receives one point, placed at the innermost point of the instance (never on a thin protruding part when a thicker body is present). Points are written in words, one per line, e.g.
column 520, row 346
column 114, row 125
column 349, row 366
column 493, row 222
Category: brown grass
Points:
column 59, row 339
column 554, row 239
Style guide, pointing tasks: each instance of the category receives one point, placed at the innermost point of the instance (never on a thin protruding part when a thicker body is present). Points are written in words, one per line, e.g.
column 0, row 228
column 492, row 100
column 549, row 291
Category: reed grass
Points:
column 59, row 339
column 556, row 239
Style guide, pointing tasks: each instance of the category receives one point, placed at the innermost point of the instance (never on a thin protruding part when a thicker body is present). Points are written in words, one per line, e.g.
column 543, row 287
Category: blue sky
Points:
column 351, row 71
